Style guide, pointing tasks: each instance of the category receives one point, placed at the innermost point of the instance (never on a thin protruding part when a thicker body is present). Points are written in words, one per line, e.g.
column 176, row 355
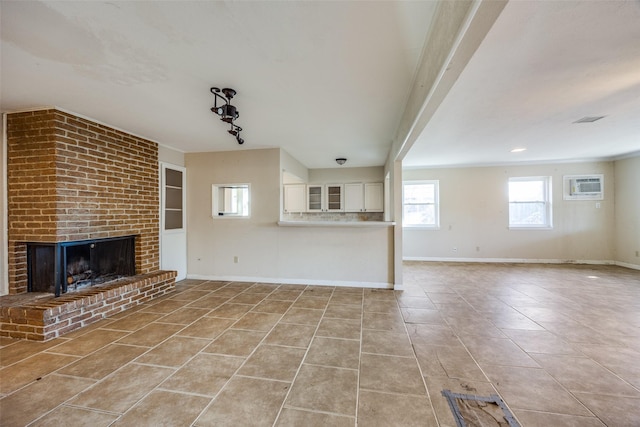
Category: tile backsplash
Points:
column 334, row 216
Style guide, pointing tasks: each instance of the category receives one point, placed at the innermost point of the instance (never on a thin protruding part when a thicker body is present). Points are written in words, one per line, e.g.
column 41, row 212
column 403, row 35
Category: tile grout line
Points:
column 295, row 376
column 222, row 388
column 360, row 357
column 133, row 361
column 415, row 358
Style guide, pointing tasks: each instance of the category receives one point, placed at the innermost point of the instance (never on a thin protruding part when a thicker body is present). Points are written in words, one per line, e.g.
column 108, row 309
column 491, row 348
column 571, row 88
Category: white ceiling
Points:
column 320, row 79
column 542, row 66
column 331, row 79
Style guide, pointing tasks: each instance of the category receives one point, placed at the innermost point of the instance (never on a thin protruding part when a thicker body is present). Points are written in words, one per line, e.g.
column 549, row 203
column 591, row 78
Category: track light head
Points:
column 227, row 112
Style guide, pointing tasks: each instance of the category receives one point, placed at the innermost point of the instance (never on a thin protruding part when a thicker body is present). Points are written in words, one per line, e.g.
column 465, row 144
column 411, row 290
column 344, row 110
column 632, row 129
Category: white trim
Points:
column 215, row 201
column 162, row 167
column 626, row 156
column 513, row 260
column 4, row 280
column 525, row 163
column 548, row 201
column 436, row 203
column 358, row 284
column 628, row 265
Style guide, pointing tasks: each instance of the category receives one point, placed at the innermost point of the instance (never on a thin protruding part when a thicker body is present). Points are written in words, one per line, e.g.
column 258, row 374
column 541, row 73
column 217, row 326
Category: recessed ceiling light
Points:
column 589, row 119
column 518, row 150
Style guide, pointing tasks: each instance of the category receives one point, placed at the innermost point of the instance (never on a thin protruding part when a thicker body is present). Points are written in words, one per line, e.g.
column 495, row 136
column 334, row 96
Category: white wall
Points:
column 346, row 175
column 627, row 215
column 290, row 165
column 169, row 155
column 266, row 251
column 474, row 217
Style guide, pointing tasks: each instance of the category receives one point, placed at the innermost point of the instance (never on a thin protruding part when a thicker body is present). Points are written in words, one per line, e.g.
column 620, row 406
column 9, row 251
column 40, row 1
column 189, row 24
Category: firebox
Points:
column 67, row 266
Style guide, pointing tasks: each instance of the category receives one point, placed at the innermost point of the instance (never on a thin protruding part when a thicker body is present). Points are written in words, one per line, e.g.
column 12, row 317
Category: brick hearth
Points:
column 41, row 317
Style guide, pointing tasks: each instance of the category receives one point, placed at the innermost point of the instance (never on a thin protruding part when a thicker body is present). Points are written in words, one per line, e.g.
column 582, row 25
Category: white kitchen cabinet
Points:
column 315, row 198
column 363, row 197
column 335, row 197
column 353, row 197
column 373, row 197
column 295, row 199
column 325, row 198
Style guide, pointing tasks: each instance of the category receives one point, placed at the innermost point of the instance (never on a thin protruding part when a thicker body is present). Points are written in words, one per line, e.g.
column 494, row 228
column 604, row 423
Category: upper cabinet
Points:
column 335, row 197
column 354, row 197
column 295, row 198
column 364, row 197
column 373, row 197
column 325, row 198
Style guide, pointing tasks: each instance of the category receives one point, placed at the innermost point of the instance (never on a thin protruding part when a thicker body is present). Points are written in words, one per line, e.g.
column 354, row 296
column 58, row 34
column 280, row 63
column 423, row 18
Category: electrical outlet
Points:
column 236, row 259
column 597, row 205
column 477, row 248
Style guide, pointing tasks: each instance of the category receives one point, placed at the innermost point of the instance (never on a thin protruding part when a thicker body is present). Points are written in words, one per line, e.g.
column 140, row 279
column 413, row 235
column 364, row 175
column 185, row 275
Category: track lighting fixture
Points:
column 227, row 112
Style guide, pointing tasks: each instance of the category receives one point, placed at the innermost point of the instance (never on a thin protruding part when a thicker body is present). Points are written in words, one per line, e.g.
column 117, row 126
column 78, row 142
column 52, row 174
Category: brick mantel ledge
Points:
column 41, row 318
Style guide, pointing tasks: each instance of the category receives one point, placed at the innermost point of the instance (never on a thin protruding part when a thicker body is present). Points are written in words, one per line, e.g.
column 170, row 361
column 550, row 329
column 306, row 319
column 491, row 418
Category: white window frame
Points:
column 547, row 202
column 218, row 204
column 436, row 204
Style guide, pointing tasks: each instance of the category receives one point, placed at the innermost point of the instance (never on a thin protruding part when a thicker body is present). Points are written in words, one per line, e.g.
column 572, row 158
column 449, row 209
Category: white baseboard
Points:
column 523, row 261
column 628, row 265
column 514, row 260
column 337, row 283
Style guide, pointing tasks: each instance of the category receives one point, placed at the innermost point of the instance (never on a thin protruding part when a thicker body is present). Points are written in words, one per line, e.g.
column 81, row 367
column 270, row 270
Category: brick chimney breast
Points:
column 69, row 179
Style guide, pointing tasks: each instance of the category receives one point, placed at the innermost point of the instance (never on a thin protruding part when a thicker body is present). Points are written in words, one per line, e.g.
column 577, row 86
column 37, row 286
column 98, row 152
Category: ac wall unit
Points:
column 586, row 186
column 578, row 187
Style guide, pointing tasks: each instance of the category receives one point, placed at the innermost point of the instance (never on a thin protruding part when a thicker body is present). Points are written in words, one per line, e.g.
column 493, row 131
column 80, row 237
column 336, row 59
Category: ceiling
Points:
column 331, row 79
column 319, row 79
column 542, row 66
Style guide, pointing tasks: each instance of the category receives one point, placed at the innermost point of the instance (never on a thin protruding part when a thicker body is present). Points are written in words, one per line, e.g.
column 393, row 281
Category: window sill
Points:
column 524, row 227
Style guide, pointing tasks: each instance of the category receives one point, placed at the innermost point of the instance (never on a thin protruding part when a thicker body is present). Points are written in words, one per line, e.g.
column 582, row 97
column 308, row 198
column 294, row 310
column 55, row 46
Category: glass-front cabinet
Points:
column 335, row 197
column 325, row 198
column 315, row 198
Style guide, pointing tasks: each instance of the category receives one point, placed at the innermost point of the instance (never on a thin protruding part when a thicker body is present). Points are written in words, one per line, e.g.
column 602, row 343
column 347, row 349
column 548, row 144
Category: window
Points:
column 420, row 204
column 530, row 202
column 230, row 200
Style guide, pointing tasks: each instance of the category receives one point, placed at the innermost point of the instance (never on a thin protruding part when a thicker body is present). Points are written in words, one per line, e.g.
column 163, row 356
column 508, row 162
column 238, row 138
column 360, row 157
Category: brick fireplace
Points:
column 70, row 179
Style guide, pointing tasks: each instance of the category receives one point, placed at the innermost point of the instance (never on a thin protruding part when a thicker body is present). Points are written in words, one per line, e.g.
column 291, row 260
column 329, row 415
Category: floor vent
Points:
column 470, row 410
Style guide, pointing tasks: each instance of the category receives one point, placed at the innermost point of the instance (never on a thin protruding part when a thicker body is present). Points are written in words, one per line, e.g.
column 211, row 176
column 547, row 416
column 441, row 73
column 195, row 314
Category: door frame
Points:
column 162, row 232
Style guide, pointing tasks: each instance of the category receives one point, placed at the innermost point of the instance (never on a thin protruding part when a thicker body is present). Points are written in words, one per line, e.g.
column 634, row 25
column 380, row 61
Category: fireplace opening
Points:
column 69, row 266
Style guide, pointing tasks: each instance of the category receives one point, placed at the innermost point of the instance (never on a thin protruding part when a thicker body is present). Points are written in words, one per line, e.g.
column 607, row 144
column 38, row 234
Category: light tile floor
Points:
column 560, row 344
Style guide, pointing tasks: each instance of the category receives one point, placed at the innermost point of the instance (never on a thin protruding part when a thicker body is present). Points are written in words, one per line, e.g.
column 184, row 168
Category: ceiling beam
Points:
column 457, row 30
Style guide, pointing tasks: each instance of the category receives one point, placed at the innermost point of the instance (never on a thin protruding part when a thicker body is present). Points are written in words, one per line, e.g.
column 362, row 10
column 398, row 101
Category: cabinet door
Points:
column 295, row 198
column 335, row 197
column 353, row 197
column 315, row 196
column 374, row 197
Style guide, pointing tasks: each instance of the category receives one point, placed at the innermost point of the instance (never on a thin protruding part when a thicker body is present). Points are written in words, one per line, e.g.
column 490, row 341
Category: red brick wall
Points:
column 72, row 179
